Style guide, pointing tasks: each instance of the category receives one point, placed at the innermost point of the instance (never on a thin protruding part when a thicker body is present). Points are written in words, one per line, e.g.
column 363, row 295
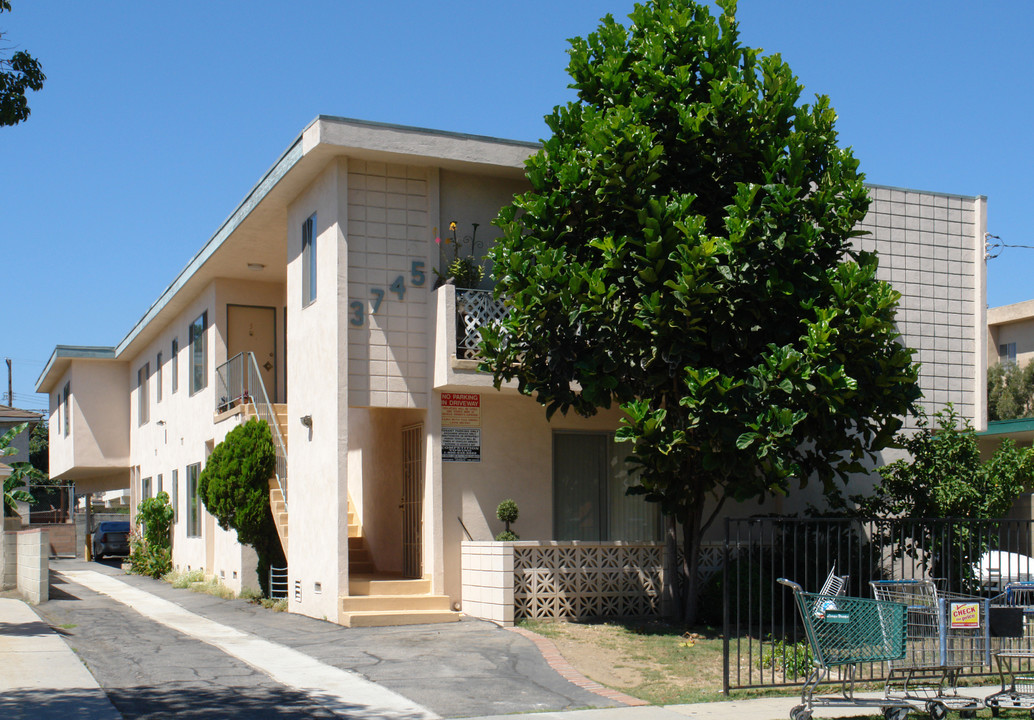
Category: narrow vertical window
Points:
column 309, row 260
column 57, row 410
column 198, row 354
column 142, row 391
column 193, row 502
column 158, row 485
column 175, row 368
column 175, row 499
column 158, row 378
column 68, row 408
column 145, row 488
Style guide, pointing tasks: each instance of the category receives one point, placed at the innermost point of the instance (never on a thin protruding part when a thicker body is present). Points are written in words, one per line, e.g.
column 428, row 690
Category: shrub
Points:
column 151, row 553
column 507, row 512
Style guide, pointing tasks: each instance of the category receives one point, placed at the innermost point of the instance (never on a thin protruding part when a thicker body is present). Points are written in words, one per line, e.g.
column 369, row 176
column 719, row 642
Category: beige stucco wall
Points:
column 1011, row 324
column 317, row 387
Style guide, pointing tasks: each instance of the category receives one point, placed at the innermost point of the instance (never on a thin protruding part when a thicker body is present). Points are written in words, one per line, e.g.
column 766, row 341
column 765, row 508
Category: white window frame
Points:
column 193, row 501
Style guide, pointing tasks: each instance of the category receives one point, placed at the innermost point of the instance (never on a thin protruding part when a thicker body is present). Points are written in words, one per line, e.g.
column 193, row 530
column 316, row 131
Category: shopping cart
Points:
column 945, row 633
column 845, row 631
column 1013, row 613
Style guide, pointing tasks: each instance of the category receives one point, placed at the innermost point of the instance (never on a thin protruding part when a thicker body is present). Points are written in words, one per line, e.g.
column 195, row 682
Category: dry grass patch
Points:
column 658, row 662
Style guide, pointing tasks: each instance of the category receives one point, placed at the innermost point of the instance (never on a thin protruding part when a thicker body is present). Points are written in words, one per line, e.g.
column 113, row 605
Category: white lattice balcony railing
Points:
column 474, row 309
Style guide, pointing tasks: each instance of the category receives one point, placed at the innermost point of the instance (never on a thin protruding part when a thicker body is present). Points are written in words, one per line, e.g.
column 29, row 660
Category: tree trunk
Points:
column 671, row 602
column 691, row 536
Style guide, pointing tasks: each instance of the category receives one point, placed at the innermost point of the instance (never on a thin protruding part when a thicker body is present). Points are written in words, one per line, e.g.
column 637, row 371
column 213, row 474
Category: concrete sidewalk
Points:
column 41, row 677
column 34, row 659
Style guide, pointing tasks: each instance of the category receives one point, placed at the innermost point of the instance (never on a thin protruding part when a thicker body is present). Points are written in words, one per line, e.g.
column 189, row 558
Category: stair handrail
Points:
column 264, row 409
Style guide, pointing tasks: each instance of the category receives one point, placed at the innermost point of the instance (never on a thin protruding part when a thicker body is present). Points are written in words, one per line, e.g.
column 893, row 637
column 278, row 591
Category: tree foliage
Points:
column 151, row 553
column 685, row 252
column 19, row 74
column 39, row 447
column 1010, row 391
column 234, row 487
column 22, row 473
column 944, row 476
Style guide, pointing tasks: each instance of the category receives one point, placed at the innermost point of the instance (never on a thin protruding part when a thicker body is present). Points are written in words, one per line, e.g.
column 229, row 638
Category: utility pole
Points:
column 10, row 385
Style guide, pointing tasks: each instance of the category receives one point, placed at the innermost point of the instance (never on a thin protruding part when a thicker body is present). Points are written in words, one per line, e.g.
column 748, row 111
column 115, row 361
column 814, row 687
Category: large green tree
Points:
column 1010, row 391
column 685, row 252
column 19, row 74
column 234, row 486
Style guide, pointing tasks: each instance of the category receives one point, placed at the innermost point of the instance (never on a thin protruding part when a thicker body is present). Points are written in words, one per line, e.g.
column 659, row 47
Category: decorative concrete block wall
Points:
column 33, row 552
column 504, row 581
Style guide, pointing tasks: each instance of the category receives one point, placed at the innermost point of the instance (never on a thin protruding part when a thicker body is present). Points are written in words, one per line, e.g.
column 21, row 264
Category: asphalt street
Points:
column 149, row 670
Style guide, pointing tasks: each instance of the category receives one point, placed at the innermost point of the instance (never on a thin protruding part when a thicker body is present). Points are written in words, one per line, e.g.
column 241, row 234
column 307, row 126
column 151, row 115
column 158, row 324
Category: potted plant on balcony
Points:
column 457, row 268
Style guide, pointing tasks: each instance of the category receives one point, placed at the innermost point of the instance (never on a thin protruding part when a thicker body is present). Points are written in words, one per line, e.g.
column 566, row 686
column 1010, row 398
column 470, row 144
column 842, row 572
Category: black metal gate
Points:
column 764, row 645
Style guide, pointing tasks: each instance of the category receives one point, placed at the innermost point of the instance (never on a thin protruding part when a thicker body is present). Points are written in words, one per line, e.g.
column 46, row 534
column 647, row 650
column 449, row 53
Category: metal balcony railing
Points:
column 474, row 308
column 238, row 381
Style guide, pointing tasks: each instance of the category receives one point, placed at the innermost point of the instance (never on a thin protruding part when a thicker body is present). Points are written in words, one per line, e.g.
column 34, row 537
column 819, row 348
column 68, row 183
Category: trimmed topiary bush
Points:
column 507, row 512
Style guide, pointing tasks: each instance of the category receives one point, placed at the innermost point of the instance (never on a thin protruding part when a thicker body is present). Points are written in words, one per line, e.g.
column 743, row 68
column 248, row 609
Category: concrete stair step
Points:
column 397, row 617
column 358, row 584
column 361, row 567
column 382, row 603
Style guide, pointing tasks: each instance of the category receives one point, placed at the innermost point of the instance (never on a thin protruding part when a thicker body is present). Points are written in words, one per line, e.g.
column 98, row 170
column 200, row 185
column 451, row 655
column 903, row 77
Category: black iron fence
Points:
column 764, row 643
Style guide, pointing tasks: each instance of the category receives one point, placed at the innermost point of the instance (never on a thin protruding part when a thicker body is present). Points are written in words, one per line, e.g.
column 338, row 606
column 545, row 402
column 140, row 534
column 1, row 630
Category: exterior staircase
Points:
column 377, row 599
column 277, row 503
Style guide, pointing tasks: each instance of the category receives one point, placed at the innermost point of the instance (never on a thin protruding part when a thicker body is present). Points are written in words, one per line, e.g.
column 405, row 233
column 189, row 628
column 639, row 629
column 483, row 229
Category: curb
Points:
column 555, row 660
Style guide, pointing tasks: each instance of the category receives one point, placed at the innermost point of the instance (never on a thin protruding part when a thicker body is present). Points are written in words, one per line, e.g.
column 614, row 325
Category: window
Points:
column 68, row 408
column 198, row 353
column 175, row 496
column 158, row 485
column 175, row 369
column 145, row 488
column 193, row 502
column 142, row 391
column 590, row 478
column 57, row 410
column 309, row 260
column 1007, row 353
column 158, row 378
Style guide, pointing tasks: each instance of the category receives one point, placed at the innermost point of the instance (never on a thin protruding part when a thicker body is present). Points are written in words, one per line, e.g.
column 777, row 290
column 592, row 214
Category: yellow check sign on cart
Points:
column 965, row 615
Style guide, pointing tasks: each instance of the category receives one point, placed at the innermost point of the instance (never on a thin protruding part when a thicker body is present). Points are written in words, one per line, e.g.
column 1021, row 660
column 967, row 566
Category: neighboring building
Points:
column 395, row 448
column 1010, row 340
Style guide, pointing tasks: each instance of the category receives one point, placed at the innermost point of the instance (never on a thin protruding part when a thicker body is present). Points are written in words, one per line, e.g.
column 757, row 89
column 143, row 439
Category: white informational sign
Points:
column 461, row 427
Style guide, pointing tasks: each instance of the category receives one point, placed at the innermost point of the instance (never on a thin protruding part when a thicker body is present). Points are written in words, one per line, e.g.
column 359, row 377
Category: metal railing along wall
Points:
column 278, row 585
column 764, row 643
column 239, row 381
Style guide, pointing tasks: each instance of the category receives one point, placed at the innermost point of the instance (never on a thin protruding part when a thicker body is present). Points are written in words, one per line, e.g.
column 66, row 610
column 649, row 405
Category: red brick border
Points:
column 552, row 655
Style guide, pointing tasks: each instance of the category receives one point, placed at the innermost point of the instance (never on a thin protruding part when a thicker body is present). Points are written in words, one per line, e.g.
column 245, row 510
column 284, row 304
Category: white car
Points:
column 997, row 567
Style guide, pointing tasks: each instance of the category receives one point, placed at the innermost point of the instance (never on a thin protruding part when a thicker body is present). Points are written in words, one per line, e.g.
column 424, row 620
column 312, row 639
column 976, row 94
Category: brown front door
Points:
column 251, row 328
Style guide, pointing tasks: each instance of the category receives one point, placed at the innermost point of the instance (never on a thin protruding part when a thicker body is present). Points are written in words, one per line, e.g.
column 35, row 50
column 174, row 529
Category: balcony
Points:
column 460, row 315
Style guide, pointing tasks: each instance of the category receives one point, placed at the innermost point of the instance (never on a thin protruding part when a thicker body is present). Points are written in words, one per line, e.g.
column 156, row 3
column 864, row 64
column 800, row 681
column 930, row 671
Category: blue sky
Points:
column 158, row 117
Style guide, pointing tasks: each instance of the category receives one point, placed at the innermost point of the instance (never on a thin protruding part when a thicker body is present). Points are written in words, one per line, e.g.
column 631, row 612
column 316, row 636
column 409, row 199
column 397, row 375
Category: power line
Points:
column 989, row 246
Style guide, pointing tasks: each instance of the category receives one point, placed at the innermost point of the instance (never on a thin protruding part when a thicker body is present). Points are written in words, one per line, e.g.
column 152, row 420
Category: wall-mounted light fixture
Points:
column 307, row 421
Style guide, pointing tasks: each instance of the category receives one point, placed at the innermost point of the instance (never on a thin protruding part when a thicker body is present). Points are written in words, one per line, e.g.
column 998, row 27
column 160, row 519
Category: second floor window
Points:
column 175, row 369
column 309, row 260
column 68, row 408
column 158, row 378
column 142, row 376
column 198, row 354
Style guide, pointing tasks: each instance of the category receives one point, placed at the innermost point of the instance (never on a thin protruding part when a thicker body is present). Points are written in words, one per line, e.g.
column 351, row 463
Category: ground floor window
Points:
column 590, row 477
column 175, row 496
column 145, row 491
column 193, row 501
